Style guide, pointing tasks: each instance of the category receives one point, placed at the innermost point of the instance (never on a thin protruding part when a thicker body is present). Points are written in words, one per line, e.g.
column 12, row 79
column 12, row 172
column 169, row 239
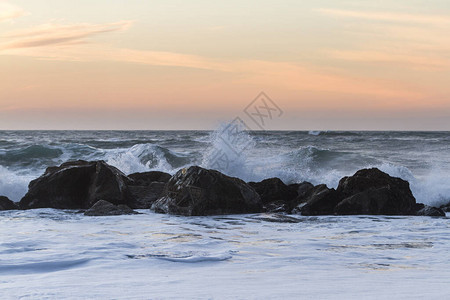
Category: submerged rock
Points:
column 6, row 204
column 146, row 188
column 276, row 218
column 425, row 210
column 373, row 192
column 195, row 191
column 105, row 208
column 77, row 184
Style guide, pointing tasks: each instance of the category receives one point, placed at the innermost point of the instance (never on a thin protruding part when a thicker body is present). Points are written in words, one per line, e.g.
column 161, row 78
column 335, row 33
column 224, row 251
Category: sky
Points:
column 326, row 64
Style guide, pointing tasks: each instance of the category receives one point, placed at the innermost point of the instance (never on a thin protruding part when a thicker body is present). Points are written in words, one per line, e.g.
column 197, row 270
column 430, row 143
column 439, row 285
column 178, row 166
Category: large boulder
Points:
column 6, row 204
column 373, row 192
column 146, row 188
column 195, row 191
column 105, row 208
column 275, row 195
column 319, row 200
column 75, row 185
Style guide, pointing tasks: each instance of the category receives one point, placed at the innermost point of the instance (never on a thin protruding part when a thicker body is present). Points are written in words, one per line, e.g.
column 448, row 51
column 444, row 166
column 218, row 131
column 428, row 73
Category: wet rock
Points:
column 303, row 189
column 142, row 179
column 75, row 185
column 446, row 208
column 105, row 208
column 373, row 192
column 273, row 189
column 276, row 218
column 425, row 210
column 195, row 191
column 275, row 195
column 6, row 204
column 146, row 188
column 319, row 200
column 143, row 196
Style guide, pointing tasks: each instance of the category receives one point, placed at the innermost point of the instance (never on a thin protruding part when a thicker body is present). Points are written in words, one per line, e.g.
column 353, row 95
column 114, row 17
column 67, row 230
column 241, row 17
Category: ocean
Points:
column 53, row 254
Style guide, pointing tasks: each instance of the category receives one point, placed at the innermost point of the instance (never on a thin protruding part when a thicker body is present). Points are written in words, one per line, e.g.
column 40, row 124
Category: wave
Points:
column 432, row 188
column 252, row 156
column 29, row 155
column 13, row 184
column 145, row 157
column 42, row 267
column 314, row 132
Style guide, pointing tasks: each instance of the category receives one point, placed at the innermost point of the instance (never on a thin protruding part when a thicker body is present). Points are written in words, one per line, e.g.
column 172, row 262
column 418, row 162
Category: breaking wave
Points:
column 315, row 156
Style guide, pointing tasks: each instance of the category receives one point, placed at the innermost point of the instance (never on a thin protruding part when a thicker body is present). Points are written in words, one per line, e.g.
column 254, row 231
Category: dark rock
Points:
column 319, row 200
column 195, row 191
column 303, row 189
column 425, row 210
column 105, row 208
column 373, row 192
column 142, row 197
column 273, row 189
column 146, row 178
column 277, row 207
column 276, row 218
column 6, row 204
column 375, row 201
column 446, row 207
column 146, row 188
column 75, row 185
column 275, row 195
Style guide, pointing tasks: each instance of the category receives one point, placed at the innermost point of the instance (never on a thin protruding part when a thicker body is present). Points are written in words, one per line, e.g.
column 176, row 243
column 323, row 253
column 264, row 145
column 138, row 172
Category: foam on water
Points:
column 318, row 157
column 14, row 185
column 45, row 252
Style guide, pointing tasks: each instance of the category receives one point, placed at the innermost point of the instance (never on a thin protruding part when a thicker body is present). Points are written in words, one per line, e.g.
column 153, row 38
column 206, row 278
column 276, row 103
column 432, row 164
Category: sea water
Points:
column 56, row 254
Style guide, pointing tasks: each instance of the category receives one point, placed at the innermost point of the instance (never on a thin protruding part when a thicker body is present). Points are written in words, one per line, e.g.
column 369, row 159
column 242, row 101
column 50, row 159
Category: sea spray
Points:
column 228, row 150
column 422, row 158
column 432, row 188
column 13, row 184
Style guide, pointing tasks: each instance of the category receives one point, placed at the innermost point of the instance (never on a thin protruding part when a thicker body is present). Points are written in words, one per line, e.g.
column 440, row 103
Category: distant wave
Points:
column 293, row 156
column 314, row 132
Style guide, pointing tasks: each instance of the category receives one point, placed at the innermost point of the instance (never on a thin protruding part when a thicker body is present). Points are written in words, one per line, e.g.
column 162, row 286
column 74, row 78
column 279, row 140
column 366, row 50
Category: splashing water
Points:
column 228, row 150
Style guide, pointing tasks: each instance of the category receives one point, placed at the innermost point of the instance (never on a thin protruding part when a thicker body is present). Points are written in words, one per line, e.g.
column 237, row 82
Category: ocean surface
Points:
column 54, row 254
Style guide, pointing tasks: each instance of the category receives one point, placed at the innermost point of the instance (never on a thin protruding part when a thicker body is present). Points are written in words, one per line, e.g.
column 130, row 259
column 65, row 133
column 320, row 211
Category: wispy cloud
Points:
column 415, row 61
column 58, row 34
column 75, row 42
column 9, row 11
column 388, row 16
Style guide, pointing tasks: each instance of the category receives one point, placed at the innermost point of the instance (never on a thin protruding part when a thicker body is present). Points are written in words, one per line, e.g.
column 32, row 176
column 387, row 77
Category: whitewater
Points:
column 54, row 254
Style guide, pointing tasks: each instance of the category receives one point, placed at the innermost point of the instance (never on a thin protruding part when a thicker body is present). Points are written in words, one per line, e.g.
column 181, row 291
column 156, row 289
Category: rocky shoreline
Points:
column 100, row 189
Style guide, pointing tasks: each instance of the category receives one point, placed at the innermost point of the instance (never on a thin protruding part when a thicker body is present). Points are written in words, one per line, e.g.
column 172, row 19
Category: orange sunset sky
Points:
column 339, row 65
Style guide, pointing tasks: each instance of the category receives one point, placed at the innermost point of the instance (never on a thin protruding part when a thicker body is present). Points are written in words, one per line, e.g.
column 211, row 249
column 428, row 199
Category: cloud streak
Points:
column 9, row 12
column 387, row 16
column 57, row 34
column 72, row 42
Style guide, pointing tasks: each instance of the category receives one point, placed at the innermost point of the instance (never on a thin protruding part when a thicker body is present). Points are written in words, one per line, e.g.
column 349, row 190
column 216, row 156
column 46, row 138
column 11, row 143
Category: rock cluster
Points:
column 104, row 190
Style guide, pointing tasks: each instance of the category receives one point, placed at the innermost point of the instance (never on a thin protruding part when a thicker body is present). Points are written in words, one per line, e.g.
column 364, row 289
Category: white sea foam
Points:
column 432, row 188
column 45, row 252
column 14, row 185
column 252, row 156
